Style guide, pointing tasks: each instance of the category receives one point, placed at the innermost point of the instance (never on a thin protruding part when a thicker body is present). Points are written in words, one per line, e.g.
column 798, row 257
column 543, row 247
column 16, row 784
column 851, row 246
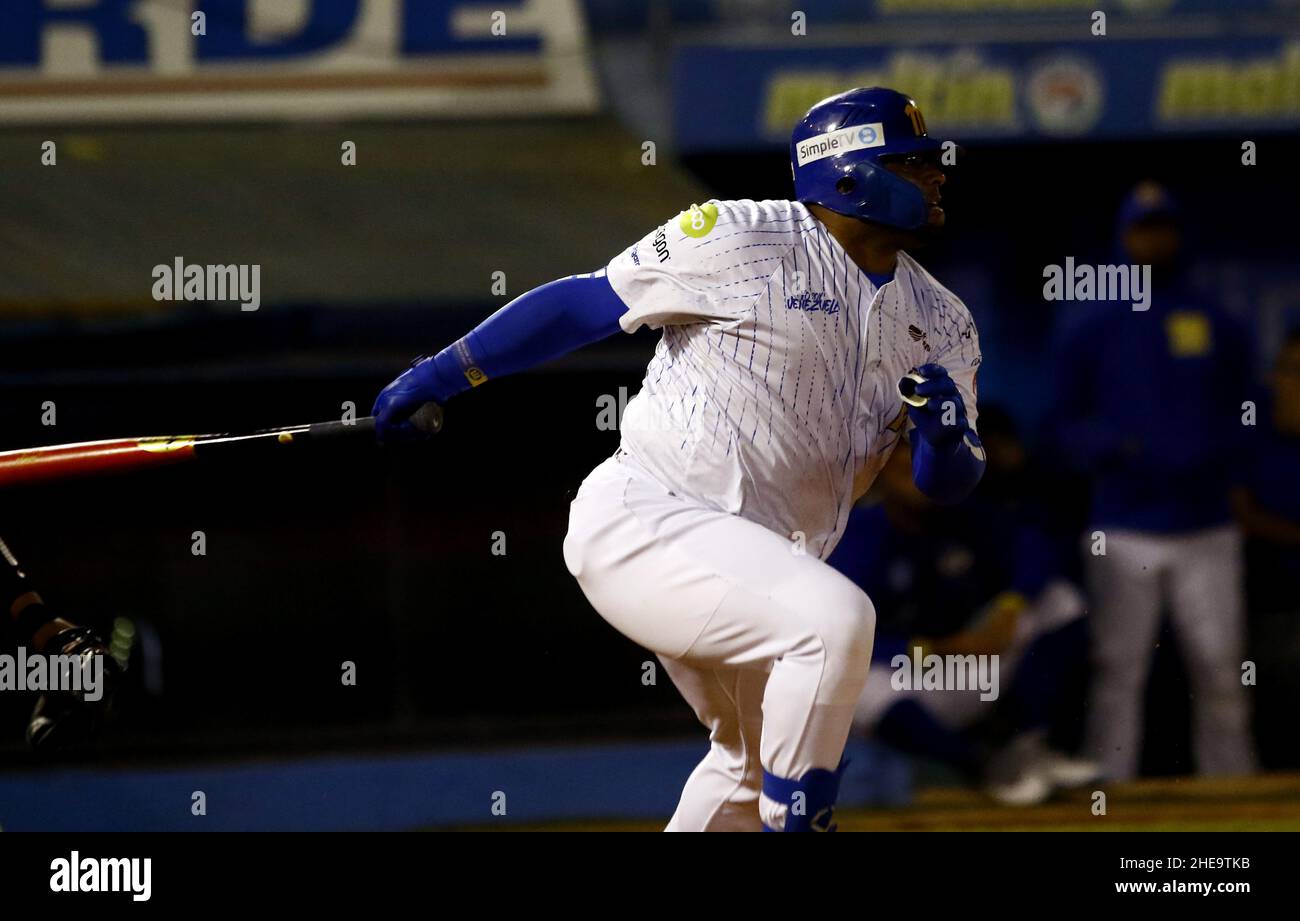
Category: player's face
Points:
column 1154, row 242
column 926, row 173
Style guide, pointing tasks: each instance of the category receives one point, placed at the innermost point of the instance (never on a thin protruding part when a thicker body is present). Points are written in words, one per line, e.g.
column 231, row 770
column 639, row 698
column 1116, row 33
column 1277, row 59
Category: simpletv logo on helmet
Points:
column 841, row 140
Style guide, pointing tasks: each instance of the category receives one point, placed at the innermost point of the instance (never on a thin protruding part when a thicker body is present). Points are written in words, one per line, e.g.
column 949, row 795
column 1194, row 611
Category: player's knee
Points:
column 851, row 629
column 844, row 624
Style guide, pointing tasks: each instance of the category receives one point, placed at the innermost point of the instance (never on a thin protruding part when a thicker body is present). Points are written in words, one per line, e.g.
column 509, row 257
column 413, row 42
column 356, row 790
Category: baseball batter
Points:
column 768, row 408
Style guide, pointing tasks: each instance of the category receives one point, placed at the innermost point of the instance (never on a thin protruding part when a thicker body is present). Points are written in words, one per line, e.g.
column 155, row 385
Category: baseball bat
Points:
column 26, row 466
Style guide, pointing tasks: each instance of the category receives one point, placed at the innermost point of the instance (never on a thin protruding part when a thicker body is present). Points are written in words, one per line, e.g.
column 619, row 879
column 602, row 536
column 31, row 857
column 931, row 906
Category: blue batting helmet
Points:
column 835, row 153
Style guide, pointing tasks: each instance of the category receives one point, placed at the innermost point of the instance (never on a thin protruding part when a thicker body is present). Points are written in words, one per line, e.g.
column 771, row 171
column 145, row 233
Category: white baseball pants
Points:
column 1199, row 576
column 768, row 646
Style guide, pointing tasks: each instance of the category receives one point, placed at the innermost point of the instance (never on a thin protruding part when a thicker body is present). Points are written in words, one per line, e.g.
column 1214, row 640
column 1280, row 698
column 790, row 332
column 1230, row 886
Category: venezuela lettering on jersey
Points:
column 812, row 302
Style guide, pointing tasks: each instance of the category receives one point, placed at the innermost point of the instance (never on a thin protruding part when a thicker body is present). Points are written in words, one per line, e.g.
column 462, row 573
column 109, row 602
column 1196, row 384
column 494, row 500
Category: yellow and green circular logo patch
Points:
column 698, row 220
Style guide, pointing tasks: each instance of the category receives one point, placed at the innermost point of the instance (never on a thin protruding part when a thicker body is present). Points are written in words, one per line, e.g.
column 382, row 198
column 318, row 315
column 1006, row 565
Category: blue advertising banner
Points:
column 729, row 97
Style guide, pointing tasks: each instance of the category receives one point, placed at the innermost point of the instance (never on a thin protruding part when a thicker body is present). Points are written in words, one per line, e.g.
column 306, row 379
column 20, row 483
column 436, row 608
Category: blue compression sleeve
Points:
column 535, row 327
column 949, row 473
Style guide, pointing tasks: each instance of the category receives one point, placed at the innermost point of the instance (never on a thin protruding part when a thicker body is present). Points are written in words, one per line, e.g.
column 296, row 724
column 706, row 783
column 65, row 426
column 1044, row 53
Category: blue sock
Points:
column 810, row 799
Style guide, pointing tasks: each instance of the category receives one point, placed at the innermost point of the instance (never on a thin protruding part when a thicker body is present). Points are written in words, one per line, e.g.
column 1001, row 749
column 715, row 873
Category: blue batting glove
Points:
column 940, row 390
column 421, row 383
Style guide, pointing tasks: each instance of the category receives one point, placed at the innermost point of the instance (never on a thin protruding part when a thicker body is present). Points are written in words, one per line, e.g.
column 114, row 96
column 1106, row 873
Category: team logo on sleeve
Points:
column 698, row 220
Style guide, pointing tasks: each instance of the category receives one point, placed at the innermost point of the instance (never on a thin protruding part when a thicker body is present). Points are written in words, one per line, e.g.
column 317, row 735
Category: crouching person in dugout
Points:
column 978, row 633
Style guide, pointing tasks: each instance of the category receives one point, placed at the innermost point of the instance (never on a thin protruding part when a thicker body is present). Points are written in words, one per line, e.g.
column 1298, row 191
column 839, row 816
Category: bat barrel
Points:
column 39, row 465
column 60, row 462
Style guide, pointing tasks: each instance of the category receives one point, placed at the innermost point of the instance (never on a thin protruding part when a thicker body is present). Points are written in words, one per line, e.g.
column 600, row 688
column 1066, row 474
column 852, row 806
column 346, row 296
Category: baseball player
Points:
column 1149, row 404
column 769, row 406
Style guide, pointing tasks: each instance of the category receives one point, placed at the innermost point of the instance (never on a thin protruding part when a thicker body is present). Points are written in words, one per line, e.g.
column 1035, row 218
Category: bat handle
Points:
column 907, row 389
column 428, row 419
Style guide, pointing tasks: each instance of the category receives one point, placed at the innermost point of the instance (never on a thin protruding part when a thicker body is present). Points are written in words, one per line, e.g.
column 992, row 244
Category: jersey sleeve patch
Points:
column 697, row 220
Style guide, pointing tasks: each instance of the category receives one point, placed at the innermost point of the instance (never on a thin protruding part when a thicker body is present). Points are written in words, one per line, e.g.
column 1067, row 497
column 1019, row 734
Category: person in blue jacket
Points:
column 1149, row 404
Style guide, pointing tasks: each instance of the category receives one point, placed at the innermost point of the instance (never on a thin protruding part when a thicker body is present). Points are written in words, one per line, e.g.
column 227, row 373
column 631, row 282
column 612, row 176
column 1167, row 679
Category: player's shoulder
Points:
column 771, row 219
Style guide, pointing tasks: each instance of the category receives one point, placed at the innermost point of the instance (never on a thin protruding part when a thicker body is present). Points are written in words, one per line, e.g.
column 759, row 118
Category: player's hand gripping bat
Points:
column 56, row 462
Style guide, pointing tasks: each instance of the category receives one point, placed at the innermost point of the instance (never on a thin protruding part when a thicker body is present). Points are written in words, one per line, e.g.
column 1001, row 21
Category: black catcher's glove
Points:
column 66, row 718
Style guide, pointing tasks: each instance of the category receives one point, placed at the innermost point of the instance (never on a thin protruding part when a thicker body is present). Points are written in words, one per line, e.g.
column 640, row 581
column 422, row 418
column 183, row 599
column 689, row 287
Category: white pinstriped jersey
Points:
column 775, row 381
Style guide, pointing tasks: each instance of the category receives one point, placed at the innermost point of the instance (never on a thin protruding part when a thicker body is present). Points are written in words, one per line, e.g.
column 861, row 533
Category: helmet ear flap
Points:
column 864, row 189
column 878, row 195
